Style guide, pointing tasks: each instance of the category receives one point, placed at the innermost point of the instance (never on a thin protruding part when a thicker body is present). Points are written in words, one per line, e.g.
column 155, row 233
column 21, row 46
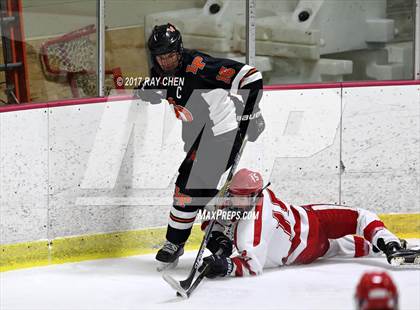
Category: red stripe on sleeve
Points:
column 235, row 236
column 240, row 264
column 296, row 238
column 282, row 223
column 277, row 201
column 258, row 222
column 360, row 247
column 247, row 266
column 238, row 270
column 369, row 230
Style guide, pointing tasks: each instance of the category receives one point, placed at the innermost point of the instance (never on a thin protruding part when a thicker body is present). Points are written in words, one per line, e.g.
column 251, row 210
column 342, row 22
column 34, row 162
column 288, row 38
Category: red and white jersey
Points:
column 267, row 240
column 283, row 234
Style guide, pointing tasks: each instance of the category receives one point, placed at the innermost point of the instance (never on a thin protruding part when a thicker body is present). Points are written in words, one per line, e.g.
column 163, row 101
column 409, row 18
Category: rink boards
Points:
column 98, row 176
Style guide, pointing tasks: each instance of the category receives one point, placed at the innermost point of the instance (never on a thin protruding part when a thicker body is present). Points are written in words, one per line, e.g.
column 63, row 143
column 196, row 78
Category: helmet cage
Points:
column 165, row 39
column 239, row 204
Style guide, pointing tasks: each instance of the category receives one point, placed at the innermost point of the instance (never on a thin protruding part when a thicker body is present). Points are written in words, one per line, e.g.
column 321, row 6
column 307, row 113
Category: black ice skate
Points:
column 397, row 255
column 403, row 243
column 168, row 255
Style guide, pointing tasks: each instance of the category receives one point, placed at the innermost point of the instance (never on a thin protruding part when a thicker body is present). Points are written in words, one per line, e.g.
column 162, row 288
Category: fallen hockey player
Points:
column 283, row 234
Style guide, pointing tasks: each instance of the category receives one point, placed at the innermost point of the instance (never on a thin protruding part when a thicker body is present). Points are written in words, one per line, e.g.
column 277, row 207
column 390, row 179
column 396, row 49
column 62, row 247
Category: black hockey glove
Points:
column 149, row 95
column 216, row 266
column 255, row 127
column 219, row 244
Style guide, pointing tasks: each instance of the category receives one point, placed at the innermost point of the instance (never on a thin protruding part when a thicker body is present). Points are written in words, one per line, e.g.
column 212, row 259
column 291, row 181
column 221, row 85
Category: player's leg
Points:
column 339, row 221
column 349, row 246
column 186, row 203
column 354, row 246
column 196, row 185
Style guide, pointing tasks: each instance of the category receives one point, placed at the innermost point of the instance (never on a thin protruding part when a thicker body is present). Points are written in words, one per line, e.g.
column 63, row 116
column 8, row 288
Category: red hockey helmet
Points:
column 376, row 291
column 242, row 194
column 246, row 183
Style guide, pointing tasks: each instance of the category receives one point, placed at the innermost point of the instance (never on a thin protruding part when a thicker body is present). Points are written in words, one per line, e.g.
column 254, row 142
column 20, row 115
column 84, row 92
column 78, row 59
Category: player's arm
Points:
column 251, row 239
column 251, row 122
column 252, row 245
column 219, row 243
column 245, row 86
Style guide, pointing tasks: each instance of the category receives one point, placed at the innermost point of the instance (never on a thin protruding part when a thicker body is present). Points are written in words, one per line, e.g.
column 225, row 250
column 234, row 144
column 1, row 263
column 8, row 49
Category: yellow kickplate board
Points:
column 120, row 244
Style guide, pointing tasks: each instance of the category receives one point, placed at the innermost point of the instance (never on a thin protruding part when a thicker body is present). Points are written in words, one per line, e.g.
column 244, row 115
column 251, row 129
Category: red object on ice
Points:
column 375, row 291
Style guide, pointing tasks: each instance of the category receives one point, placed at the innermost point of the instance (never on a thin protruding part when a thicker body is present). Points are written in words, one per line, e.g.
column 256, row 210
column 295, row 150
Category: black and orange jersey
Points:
column 210, row 95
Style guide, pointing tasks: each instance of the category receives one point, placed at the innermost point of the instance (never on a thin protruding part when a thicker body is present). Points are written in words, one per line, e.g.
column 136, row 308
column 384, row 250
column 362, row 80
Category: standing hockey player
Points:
column 283, row 234
column 217, row 101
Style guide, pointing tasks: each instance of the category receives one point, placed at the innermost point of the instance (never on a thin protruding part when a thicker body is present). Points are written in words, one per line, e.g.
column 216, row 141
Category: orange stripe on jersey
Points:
column 258, row 222
column 249, row 73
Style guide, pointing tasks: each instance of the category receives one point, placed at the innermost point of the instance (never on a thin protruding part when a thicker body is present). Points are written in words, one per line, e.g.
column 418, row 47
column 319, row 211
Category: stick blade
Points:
column 175, row 285
column 161, row 267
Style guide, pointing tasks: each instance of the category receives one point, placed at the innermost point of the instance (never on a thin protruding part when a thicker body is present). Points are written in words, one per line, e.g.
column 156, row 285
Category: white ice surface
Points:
column 133, row 283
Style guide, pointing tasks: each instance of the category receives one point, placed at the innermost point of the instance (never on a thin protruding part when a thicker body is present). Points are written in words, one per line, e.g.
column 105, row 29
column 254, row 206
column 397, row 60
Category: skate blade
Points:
column 397, row 261
column 167, row 266
column 175, row 285
column 400, row 262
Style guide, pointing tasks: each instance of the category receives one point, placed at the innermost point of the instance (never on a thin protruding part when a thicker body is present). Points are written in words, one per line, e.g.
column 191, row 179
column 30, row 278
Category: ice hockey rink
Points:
column 87, row 170
column 133, row 283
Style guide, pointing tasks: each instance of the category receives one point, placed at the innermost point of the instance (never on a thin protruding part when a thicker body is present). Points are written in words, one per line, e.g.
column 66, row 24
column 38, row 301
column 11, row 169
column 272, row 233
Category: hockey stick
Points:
column 185, row 284
column 180, row 291
column 185, row 293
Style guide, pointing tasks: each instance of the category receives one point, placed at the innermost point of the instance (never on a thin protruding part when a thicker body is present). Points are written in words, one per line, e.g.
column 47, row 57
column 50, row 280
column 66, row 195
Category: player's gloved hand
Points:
column 255, row 127
column 216, row 266
column 219, row 244
column 149, row 95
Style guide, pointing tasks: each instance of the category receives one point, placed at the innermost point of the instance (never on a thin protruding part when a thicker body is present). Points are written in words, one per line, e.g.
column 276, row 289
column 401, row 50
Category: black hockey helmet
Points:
column 165, row 39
